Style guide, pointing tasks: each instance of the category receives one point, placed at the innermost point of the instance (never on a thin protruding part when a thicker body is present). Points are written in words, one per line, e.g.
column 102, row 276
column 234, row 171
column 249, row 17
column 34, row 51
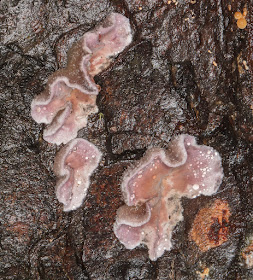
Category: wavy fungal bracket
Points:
column 74, row 164
column 70, row 94
column 152, row 192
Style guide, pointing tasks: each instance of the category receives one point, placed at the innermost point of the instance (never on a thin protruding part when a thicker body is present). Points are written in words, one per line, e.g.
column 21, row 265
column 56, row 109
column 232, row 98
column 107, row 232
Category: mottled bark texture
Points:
column 188, row 70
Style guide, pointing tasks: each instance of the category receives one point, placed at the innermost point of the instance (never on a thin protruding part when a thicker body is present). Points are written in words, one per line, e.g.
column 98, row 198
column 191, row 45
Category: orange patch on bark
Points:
column 210, row 226
column 247, row 255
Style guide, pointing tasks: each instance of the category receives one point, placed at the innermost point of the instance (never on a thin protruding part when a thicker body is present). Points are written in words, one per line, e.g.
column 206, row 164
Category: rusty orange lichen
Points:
column 210, row 226
column 247, row 255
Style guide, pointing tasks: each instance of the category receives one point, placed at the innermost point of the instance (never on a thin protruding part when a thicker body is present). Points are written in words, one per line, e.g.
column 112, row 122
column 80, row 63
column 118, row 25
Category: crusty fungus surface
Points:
column 73, row 166
column 70, row 95
column 152, row 192
column 210, row 226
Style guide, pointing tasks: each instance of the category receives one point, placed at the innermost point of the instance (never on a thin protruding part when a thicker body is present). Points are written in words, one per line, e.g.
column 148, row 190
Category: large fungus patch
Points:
column 70, row 94
column 152, row 192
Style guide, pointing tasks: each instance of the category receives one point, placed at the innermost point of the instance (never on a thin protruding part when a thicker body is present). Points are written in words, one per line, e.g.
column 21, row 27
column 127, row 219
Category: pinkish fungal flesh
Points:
column 156, row 186
column 70, row 94
column 74, row 164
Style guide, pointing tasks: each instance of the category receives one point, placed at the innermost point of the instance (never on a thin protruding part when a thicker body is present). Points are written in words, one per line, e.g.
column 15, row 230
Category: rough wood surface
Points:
column 188, row 70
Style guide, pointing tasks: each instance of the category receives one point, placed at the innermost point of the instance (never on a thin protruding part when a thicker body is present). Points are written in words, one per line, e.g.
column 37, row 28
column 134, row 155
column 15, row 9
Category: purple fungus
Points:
column 70, row 95
column 152, row 191
column 106, row 41
column 74, row 164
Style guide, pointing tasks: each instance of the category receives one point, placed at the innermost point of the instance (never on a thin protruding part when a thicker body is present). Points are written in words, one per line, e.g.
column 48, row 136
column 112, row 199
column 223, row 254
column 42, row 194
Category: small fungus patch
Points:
column 74, row 164
column 240, row 17
column 210, row 226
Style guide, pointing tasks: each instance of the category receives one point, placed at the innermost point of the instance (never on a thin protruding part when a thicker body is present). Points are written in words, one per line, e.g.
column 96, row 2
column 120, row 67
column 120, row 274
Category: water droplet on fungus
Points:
column 70, row 95
column 176, row 174
column 73, row 172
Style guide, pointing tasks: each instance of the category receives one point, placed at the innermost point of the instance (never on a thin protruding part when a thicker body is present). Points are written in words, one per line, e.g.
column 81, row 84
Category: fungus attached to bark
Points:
column 152, row 192
column 74, row 164
column 241, row 21
column 237, row 15
column 70, row 94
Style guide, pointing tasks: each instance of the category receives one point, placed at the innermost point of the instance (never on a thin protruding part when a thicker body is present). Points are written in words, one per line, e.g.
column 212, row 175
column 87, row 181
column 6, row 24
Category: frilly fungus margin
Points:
column 152, row 192
column 70, row 94
column 70, row 97
column 74, row 164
